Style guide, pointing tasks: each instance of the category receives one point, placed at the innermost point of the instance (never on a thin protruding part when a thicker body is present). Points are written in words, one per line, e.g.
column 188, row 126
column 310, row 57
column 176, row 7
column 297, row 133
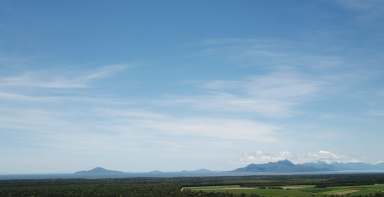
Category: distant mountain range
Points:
column 279, row 167
column 102, row 172
column 286, row 166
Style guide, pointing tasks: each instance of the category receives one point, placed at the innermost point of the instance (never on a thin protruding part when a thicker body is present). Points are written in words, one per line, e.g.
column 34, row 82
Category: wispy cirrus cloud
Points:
column 89, row 129
column 45, row 79
column 273, row 94
column 365, row 10
column 272, row 53
column 213, row 127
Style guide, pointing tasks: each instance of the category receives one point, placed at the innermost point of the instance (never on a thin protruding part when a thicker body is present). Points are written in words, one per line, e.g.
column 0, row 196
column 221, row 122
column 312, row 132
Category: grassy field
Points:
column 294, row 190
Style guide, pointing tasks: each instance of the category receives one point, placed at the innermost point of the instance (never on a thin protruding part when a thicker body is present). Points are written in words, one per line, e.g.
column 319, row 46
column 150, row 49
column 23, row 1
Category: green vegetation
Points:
column 294, row 190
column 371, row 185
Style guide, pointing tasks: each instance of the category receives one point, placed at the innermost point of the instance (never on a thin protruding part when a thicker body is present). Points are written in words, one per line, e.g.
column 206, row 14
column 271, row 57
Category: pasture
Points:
column 293, row 190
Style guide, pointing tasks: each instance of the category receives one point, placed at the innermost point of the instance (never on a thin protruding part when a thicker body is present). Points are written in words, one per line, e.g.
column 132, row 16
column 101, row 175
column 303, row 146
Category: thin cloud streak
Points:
column 214, row 127
column 59, row 81
column 65, row 128
column 364, row 10
column 275, row 94
column 271, row 53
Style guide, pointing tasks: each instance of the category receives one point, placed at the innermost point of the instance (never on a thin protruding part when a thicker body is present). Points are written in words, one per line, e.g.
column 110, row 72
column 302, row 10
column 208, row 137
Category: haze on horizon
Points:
column 183, row 85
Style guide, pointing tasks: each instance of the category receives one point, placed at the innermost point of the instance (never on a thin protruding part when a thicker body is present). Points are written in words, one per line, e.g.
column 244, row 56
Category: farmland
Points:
column 293, row 191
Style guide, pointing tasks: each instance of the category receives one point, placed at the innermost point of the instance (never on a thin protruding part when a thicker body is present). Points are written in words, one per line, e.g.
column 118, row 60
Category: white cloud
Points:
column 264, row 157
column 271, row 53
column 59, row 80
column 273, row 94
column 322, row 155
column 15, row 96
column 222, row 128
column 365, row 10
column 89, row 129
column 285, row 84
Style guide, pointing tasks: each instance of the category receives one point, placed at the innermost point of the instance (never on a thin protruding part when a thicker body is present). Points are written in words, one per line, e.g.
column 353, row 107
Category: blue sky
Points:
column 172, row 85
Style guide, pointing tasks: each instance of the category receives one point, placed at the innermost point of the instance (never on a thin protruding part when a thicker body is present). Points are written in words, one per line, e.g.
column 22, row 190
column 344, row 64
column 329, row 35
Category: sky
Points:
column 182, row 85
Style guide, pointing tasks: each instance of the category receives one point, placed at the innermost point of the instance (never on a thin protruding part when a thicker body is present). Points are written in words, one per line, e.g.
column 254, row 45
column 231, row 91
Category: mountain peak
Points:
column 285, row 162
column 282, row 166
column 98, row 170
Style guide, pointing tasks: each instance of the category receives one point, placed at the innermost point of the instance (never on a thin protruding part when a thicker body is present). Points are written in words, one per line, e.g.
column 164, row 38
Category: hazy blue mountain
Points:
column 353, row 166
column 98, row 171
column 380, row 165
column 284, row 166
column 320, row 165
